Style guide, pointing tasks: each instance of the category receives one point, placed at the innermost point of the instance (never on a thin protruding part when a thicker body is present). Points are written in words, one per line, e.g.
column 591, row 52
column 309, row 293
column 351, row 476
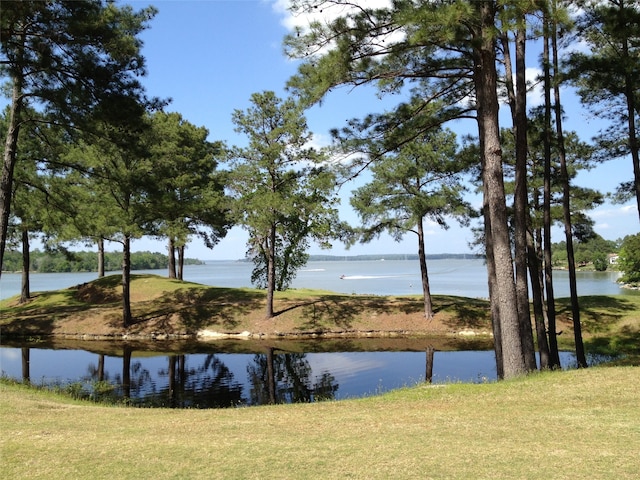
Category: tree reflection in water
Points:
column 285, row 378
column 209, row 385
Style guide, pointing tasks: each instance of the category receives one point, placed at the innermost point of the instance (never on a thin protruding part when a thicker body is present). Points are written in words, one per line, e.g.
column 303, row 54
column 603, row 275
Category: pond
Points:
column 239, row 373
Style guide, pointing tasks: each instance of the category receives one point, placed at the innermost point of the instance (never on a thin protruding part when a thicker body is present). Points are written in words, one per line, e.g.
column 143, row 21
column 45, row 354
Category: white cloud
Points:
column 535, row 94
column 615, row 212
column 326, row 14
column 629, row 209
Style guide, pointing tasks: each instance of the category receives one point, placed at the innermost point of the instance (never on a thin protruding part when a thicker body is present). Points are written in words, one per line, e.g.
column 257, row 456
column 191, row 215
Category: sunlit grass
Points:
column 574, row 424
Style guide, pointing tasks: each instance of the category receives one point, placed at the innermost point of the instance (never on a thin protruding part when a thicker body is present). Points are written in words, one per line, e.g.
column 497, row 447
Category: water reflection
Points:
column 223, row 379
column 286, row 378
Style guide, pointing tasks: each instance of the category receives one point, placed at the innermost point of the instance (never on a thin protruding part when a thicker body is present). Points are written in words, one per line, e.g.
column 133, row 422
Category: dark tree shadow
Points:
column 198, row 308
column 332, row 311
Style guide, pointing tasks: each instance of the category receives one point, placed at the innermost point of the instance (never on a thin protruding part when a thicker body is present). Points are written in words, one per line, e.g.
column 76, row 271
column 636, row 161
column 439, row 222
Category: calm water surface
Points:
column 218, row 377
column 391, row 277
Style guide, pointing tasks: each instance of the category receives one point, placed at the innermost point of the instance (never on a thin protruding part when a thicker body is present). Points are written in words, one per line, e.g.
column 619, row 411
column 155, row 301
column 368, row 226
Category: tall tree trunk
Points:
column 566, row 208
column 424, row 274
column 630, row 96
column 171, row 251
column 25, row 291
column 180, row 266
column 100, row 257
column 271, row 271
column 126, row 281
column 486, row 80
column 493, row 296
column 521, row 203
column 538, row 303
column 518, row 103
column 9, row 163
column 546, row 207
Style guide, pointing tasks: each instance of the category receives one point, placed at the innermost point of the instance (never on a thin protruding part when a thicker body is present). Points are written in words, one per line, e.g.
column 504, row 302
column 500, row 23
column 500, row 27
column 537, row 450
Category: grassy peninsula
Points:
column 166, row 308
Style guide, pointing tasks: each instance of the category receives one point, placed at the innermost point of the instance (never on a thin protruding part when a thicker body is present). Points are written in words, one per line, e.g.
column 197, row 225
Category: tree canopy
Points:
column 284, row 190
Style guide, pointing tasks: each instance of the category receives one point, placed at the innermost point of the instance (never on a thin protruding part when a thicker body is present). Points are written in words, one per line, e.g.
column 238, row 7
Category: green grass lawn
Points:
column 561, row 425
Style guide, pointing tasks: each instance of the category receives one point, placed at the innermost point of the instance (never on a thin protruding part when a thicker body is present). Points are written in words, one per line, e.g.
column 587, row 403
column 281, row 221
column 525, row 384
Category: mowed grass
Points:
column 560, row 425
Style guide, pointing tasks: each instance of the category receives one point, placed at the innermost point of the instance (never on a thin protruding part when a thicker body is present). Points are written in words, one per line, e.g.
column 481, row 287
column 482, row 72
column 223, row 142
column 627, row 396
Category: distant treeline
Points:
column 60, row 262
column 392, row 256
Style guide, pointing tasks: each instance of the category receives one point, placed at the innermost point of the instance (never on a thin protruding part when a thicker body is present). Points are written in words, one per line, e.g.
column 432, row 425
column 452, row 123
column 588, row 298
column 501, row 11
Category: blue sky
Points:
column 209, row 56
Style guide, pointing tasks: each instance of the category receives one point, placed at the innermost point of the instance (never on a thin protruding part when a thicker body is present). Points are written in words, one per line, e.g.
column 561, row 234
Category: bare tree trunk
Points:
column 271, row 271
column 126, row 282
column 100, row 257
column 548, row 267
column 518, row 102
column 25, row 291
column 171, row 251
column 566, row 209
column 485, row 78
column 538, row 303
column 180, row 266
column 493, row 296
column 424, row 274
column 9, row 163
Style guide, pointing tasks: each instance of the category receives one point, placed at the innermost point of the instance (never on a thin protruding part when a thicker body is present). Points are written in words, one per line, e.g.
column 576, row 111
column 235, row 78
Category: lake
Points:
column 461, row 277
column 240, row 373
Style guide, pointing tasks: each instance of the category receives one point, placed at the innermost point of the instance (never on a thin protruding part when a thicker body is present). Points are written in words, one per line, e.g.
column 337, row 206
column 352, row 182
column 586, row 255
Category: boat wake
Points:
column 368, row 277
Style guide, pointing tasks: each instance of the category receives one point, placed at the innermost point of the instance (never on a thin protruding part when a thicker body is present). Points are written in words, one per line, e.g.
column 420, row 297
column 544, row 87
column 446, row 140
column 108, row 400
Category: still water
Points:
column 205, row 375
column 218, row 379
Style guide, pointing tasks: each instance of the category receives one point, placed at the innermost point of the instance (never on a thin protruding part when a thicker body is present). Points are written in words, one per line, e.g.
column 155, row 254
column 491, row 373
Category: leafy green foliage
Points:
column 284, row 190
column 422, row 180
column 54, row 262
column 629, row 259
column 78, row 63
column 593, row 251
column 188, row 194
column 608, row 81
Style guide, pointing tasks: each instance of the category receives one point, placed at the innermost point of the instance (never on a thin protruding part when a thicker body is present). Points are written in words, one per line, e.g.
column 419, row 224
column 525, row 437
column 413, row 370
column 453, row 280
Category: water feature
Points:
column 462, row 277
column 207, row 376
column 244, row 373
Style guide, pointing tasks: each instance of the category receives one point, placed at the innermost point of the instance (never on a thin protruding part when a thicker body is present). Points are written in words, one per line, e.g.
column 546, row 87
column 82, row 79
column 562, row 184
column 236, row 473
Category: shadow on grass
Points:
column 338, row 311
column 598, row 313
column 199, row 308
column 100, row 291
column 461, row 311
column 626, row 342
column 38, row 315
